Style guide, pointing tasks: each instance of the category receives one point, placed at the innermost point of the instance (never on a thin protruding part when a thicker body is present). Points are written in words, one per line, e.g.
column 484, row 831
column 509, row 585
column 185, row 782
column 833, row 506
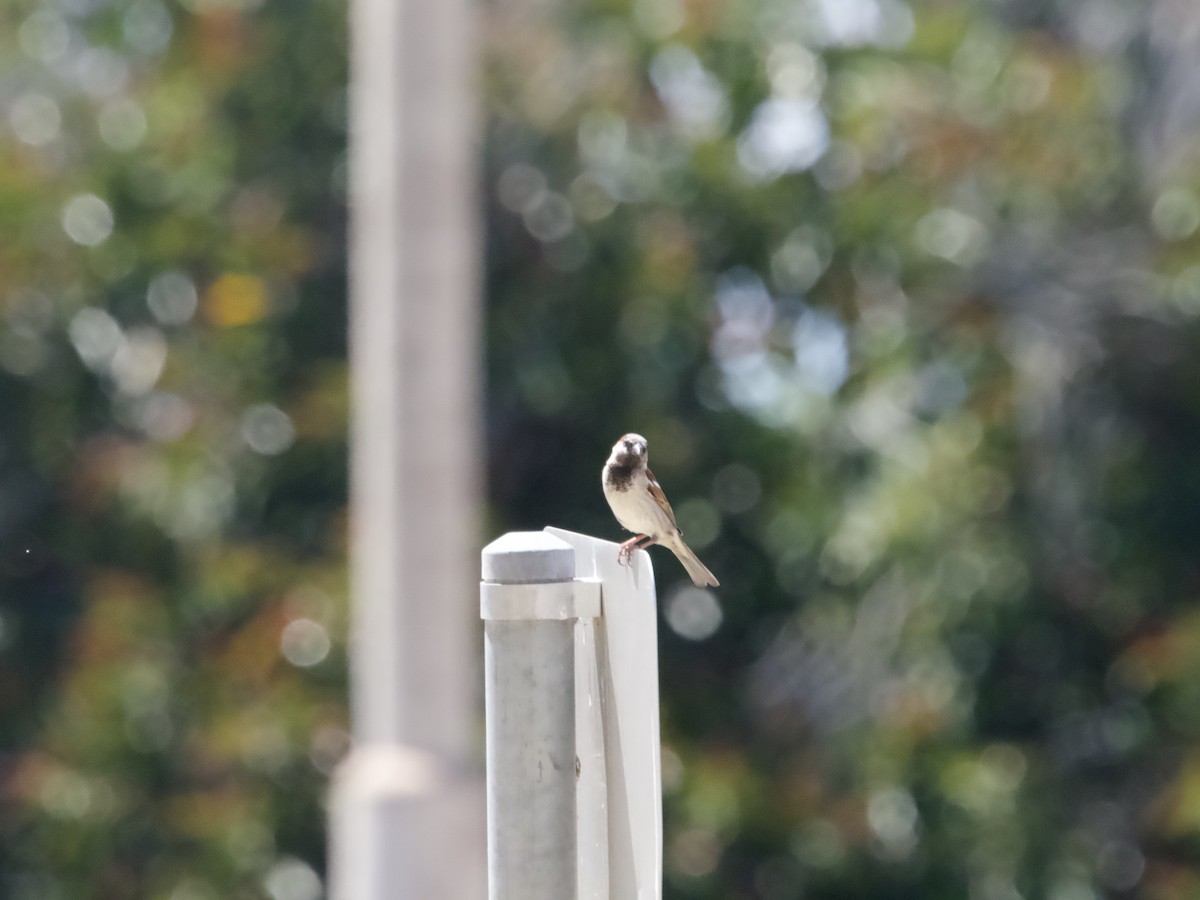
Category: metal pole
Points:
column 529, row 604
column 415, row 367
column 407, row 807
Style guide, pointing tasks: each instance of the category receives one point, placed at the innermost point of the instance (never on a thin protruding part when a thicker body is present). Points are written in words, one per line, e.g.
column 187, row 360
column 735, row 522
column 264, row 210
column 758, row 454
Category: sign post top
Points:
column 528, row 557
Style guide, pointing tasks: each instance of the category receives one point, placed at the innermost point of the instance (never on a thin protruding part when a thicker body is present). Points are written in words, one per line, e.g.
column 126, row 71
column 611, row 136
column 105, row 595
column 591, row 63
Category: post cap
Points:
column 528, row 557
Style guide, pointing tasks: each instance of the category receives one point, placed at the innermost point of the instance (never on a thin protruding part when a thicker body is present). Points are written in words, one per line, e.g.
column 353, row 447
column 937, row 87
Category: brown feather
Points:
column 659, row 497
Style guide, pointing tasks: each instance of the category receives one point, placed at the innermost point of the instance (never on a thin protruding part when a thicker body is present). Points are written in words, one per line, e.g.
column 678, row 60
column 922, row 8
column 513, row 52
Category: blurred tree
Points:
column 903, row 295
column 172, row 446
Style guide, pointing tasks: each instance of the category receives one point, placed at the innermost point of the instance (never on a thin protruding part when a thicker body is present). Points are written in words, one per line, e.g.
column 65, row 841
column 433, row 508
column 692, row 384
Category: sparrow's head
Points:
column 629, row 450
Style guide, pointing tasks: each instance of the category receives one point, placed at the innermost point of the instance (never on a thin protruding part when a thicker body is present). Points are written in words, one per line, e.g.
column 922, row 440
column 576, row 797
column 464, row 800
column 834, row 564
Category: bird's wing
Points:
column 659, row 497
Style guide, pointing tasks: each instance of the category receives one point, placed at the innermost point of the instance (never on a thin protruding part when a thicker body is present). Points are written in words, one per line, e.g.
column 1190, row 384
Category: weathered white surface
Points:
column 529, row 678
column 591, row 788
column 626, row 653
column 524, row 557
column 565, row 600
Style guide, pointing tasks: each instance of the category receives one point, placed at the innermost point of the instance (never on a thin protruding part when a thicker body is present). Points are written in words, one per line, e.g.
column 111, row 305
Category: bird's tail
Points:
column 699, row 573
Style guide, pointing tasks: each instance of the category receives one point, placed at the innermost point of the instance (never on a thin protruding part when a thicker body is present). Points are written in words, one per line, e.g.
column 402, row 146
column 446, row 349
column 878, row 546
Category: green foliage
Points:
column 906, row 310
column 172, row 487
column 903, row 296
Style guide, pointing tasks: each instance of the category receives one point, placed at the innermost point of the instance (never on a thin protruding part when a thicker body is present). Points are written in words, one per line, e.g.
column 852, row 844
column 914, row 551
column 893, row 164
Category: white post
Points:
column 530, row 602
column 620, row 788
column 407, row 807
column 573, row 763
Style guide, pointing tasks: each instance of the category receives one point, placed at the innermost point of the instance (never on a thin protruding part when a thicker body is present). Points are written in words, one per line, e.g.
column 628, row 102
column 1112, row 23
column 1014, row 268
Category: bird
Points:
column 640, row 506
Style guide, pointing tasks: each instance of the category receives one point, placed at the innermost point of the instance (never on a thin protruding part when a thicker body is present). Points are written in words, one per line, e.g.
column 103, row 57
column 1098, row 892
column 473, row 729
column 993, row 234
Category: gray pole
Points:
column 415, row 364
column 407, row 807
column 529, row 606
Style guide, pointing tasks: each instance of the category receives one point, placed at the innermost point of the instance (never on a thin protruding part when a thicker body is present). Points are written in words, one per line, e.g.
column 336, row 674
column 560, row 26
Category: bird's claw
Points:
column 625, row 551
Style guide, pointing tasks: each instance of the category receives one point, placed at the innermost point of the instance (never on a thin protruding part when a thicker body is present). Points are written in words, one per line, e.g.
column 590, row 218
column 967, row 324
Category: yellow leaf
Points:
column 236, row 300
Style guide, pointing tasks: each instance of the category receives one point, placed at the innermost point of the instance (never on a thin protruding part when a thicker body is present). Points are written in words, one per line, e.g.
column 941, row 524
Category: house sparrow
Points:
column 641, row 507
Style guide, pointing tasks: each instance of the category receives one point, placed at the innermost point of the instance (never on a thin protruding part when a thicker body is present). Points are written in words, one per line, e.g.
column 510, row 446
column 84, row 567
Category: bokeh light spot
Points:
column 822, row 352
column 849, row 23
column 267, row 429
column 952, row 235
column 795, row 71
column 603, row 140
column 87, row 220
column 147, row 26
column 21, row 353
column 292, row 879
column 35, row 118
column 95, row 335
column 139, row 360
column 784, row 135
column 101, row 72
column 65, row 795
column 800, row 260
column 172, row 298
column 549, row 218
column 699, row 521
column 328, row 747
column 1176, row 214
column 234, row 300
column 590, row 199
column 304, row 643
column 892, row 815
column 122, row 124
column 44, row 35
column 520, row 187
column 165, row 417
column 693, row 852
column 693, row 613
column 693, row 96
column 672, row 770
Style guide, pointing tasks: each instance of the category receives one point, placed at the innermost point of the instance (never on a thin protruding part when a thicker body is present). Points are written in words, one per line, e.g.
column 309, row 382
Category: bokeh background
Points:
column 903, row 293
